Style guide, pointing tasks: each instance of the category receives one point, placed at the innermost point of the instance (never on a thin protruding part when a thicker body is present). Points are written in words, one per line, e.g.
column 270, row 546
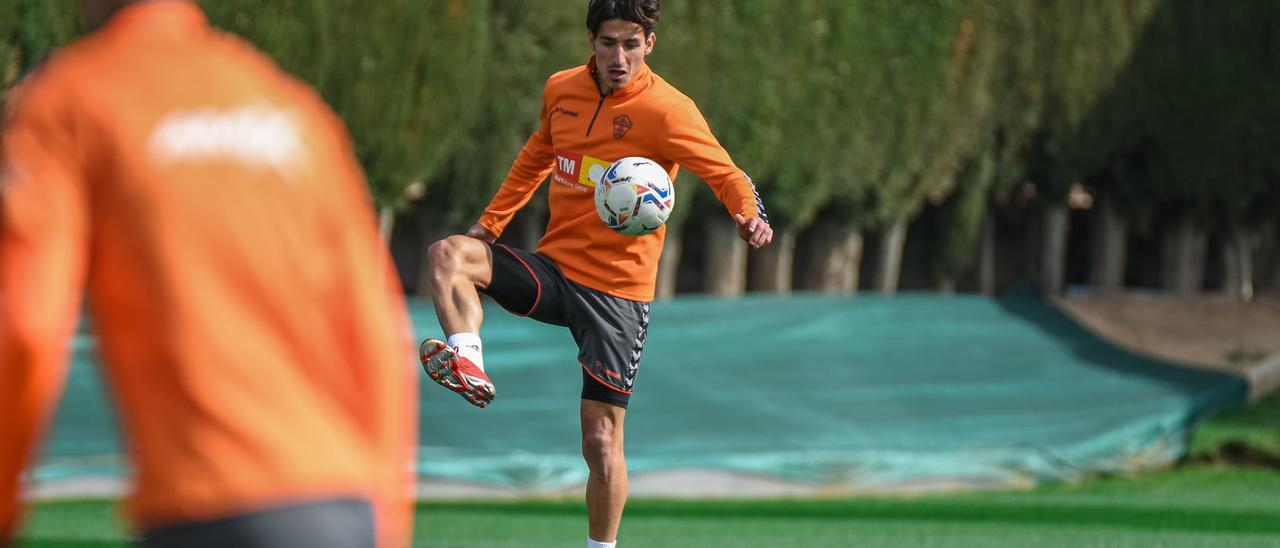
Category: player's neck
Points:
column 605, row 89
column 601, row 86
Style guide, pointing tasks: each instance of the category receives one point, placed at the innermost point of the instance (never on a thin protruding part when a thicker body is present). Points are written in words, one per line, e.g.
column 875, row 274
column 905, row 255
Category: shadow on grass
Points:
column 1236, row 453
column 1248, row 436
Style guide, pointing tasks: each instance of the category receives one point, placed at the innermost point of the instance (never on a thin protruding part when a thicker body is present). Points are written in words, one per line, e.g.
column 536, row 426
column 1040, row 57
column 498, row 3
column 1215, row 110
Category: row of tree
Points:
column 852, row 116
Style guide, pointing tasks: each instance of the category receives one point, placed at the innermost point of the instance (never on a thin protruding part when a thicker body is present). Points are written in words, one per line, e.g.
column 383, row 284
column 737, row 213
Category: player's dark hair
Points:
column 641, row 12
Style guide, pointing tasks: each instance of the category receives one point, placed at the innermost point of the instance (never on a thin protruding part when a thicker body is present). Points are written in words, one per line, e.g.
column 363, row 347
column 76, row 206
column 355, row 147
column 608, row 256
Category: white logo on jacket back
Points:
column 254, row 136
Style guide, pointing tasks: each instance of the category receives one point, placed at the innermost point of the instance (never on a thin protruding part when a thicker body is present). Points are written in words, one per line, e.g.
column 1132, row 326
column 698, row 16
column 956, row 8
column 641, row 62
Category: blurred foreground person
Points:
column 254, row 338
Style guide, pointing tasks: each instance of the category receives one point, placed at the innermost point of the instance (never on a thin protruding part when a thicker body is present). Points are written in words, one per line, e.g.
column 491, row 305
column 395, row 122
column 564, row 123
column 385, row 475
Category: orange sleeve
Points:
column 529, row 171
column 43, row 242
column 689, row 142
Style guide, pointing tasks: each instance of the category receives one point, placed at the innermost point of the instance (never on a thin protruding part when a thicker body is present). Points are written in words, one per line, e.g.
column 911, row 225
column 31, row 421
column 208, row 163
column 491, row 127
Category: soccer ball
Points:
column 634, row 196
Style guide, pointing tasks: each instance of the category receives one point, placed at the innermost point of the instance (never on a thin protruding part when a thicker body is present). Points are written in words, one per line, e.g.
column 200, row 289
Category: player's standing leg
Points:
column 602, row 427
column 458, row 265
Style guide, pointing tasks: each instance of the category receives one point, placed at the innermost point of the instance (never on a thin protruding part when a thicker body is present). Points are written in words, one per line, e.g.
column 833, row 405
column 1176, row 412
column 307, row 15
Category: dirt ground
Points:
column 1206, row 330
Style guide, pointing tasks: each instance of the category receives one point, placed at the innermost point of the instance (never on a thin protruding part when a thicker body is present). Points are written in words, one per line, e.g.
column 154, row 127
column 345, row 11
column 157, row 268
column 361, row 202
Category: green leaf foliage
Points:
column 393, row 70
column 860, row 110
column 30, row 31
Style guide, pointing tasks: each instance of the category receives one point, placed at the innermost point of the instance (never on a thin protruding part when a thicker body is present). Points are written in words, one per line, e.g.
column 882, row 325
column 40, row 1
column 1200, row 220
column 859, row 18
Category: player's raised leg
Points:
column 458, row 265
column 607, row 480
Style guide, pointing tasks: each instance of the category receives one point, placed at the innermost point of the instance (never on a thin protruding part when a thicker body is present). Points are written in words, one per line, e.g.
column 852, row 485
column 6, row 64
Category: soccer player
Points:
column 584, row 276
column 254, row 336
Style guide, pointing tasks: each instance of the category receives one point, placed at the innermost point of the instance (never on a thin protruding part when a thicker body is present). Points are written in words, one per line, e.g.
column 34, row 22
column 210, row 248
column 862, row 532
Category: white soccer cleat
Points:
column 443, row 364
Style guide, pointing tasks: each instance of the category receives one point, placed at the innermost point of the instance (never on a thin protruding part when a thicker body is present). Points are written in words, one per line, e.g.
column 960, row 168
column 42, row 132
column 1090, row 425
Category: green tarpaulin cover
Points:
column 843, row 392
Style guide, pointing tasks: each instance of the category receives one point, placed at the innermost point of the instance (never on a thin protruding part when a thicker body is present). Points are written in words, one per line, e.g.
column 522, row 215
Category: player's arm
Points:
column 688, row 140
column 527, row 173
column 43, row 251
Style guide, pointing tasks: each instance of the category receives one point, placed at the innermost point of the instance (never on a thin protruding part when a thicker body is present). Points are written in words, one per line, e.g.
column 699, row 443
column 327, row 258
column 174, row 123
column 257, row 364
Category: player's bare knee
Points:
column 598, row 446
column 445, row 257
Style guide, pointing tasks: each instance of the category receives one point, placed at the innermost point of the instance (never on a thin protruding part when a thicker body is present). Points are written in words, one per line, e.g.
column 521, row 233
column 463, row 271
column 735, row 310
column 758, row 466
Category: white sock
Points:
column 468, row 346
column 591, row 543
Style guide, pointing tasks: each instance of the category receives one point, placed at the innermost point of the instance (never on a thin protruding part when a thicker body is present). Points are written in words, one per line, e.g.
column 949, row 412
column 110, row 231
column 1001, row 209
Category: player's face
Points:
column 620, row 48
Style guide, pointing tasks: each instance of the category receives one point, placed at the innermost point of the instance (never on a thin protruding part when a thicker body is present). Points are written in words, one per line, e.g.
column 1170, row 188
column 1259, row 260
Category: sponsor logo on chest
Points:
column 578, row 171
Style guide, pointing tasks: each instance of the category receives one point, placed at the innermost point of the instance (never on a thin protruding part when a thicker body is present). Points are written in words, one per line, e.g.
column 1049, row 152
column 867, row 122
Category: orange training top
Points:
column 581, row 133
column 253, row 334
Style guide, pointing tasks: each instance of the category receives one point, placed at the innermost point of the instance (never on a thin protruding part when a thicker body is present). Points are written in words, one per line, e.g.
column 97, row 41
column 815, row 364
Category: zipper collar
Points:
column 640, row 81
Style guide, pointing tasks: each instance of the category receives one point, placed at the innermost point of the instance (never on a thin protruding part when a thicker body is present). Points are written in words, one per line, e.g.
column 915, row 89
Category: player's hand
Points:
column 754, row 231
column 481, row 233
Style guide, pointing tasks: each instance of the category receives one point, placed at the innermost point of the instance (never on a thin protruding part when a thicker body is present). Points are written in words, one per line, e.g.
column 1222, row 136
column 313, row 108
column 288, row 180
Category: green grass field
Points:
column 1195, row 505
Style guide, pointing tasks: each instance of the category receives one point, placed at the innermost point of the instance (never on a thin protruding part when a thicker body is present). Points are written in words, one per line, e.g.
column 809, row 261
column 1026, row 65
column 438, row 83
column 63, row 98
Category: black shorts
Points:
column 610, row 331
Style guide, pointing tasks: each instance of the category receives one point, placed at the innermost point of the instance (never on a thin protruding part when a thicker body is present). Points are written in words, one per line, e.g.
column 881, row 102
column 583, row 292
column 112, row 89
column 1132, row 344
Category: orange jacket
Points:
column 253, row 335
column 582, row 132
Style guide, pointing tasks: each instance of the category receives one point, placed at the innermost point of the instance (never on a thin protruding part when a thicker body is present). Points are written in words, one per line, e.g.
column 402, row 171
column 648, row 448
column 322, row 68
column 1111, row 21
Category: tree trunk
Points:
column 386, row 223
column 527, row 229
column 889, row 267
column 725, row 271
column 1237, row 257
column 770, row 268
column 947, row 285
column 1274, row 285
column 987, row 255
column 1182, row 258
column 1110, row 235
column 1273, row 280
column 1247, row 286
column 431, row 232
column 669, row 264
column 1053, row 249
column 1268, row 260
column 833, row 258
